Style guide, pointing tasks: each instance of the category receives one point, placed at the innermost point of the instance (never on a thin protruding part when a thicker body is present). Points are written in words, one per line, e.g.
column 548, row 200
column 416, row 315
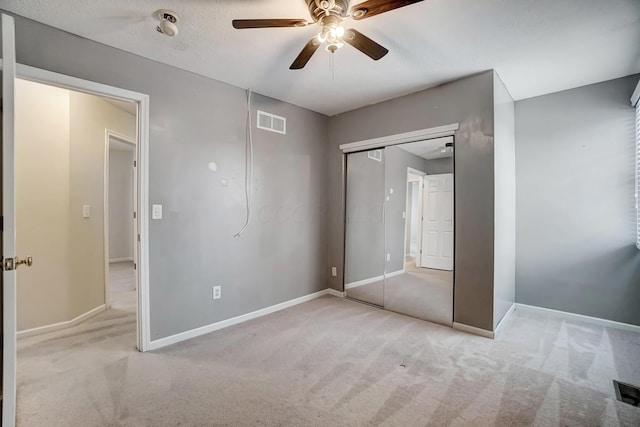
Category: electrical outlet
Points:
column 86, row 211
column 334, row 271
column 217, row 292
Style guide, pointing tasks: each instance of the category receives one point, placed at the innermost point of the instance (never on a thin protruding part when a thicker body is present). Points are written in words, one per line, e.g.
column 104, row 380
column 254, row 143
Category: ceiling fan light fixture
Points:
column 359, row 13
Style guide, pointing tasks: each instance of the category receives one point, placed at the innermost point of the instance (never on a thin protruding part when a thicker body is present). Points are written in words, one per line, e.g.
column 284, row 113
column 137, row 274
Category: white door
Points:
column 9, row 262
column 437, row 222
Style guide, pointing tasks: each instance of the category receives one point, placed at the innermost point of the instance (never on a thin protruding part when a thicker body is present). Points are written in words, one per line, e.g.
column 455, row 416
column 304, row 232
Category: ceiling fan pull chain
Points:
column 333, row 69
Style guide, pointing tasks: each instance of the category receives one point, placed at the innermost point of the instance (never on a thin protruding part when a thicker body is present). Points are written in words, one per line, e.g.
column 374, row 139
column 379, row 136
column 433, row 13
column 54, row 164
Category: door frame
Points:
column 51, row 78
column 108, row 136
column 420, row 186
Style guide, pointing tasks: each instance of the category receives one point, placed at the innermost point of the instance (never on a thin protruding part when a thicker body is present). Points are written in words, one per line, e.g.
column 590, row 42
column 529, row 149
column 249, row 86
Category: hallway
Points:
column 55, row 370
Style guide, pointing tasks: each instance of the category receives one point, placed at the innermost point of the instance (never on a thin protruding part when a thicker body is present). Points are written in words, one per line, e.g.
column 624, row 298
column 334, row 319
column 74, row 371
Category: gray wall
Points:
column 439, row 166
column 196, row 120
column 575, row 202
column 469, row 102
column 504, row 284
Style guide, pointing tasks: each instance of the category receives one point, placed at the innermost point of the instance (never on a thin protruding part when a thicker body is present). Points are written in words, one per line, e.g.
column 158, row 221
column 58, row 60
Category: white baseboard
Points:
column 580, row 317
column 473, row 330
column 335, row 293
column 61, row 325
column 373, row 279
column 183, row 336
column 394, row 273
column 503, row 321
column 363, row 282
column 114, row 260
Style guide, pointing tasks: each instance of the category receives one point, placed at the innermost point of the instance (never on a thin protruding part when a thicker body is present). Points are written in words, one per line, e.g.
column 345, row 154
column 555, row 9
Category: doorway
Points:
column 11, row 72
column 62, row 203
column 120, row 227
column 413, row 231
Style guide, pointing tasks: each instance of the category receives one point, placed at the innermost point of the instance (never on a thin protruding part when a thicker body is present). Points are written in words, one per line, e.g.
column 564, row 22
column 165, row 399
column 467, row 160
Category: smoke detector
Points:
column 168, row 20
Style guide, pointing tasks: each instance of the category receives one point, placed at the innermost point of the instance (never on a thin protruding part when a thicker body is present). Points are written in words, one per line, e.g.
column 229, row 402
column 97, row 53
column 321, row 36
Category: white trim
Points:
column 635, row 98
column 503, row 321
column 9, row 323
column 108, row 134
column 473, row 330
column 394, row 273
column 363, row 282
column 68, row 82
column 572, row 316
column 373, row 279
column 62, row 325
column 143, row 312
column 335, row 293
column 183, row 336
column 401, row 138
column 413, row 171
column 116, row 260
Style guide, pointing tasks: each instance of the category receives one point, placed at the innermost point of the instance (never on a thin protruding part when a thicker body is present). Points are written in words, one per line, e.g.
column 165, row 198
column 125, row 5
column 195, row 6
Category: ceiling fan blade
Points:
column 306, row 54
column 364, row 44
column 242, row 24
column 371, row 8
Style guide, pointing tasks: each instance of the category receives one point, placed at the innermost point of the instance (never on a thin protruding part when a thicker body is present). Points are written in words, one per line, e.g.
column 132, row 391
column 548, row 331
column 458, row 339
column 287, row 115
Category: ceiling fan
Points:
column 329, row 15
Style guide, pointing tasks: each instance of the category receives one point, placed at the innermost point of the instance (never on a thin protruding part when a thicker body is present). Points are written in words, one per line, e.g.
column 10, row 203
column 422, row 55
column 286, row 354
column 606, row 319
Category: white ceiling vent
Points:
column 271, row 122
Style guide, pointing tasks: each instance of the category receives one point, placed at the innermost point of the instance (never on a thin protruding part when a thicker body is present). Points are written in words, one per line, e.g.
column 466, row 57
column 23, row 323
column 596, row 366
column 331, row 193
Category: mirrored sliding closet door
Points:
column 402, row 259
column 364, row 236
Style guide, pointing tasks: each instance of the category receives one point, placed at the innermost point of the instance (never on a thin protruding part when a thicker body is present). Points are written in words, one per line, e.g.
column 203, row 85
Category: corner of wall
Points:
column 504, row 200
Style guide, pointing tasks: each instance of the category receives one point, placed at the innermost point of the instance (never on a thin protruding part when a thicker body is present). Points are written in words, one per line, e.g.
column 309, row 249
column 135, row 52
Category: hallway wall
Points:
column 42, row 203
column 121, row 205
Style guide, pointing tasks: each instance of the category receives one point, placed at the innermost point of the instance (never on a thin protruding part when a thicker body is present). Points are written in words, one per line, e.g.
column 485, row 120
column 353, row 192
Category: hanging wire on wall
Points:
column 248, row 175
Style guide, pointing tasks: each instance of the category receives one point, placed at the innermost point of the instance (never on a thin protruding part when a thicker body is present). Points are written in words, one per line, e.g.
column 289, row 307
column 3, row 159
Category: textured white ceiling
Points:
column 537, row 46
column 429, row 150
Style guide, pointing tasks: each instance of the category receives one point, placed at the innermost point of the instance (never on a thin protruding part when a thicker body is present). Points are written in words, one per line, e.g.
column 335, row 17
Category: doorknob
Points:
column 28, row 261
column 10, row 264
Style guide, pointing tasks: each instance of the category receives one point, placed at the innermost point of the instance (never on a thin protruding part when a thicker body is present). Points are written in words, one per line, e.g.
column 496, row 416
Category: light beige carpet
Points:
column 330, row 362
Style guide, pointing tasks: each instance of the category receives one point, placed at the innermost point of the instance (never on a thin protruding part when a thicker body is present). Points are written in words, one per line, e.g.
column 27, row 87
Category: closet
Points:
column 399, row 236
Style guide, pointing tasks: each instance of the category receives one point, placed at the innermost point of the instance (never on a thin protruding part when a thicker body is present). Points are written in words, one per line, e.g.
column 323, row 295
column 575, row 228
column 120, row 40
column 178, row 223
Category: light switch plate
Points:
column 334, row 271
column 156, row 212
column 86, row 211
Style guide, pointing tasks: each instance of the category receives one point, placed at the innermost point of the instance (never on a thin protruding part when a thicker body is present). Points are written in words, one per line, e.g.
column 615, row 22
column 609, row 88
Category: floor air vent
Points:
column 271, row 122
column 627, row 393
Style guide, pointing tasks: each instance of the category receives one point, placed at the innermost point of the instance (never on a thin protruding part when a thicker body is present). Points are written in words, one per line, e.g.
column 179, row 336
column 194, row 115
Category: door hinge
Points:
column 138, row 237
column 1, row 223
column 135, row 266
column 134, row 215
column 135, row 163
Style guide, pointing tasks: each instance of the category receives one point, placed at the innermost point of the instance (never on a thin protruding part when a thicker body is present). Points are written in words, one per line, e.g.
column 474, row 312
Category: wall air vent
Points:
column 375, row 155
column 272, row 123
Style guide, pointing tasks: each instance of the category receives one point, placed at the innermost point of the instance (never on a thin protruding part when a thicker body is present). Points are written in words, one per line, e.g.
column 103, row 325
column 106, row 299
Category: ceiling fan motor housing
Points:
column 320, row 8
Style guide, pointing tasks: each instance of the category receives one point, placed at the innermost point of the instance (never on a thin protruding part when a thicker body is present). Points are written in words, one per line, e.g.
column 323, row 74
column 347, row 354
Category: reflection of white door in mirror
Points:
column 437, row 222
